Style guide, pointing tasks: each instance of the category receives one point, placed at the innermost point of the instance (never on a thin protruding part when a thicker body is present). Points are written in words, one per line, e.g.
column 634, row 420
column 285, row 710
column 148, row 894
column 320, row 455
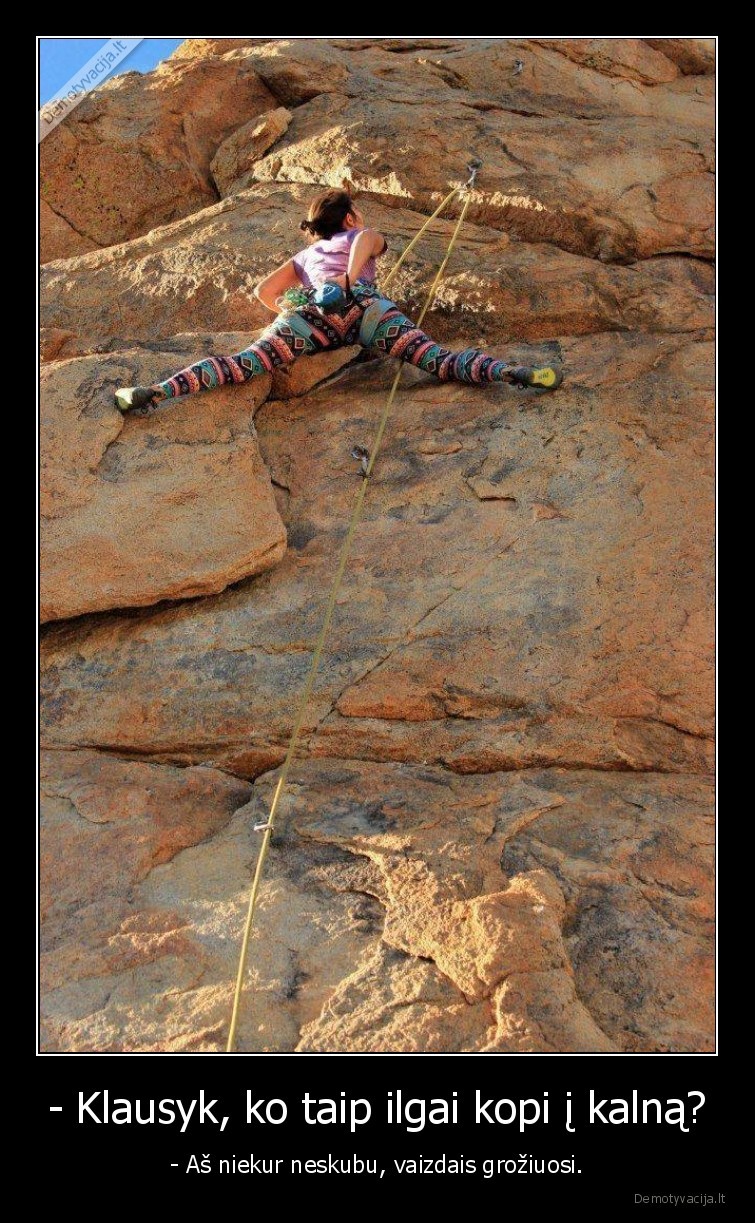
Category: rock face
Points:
column 507, row 653
column 497, row 836
column 198, row 275
column 232, row 166
column 136, row 152
column 106, row 825
column 404, row 910
column 58, row 239
column 137, row 510
column 626, row 195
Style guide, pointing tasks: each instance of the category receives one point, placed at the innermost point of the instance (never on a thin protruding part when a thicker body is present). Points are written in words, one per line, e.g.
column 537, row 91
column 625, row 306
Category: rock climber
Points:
column 326, row 297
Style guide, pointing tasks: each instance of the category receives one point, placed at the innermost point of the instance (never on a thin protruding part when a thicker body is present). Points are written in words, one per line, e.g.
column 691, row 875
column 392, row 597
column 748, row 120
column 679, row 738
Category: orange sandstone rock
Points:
column 497, row 834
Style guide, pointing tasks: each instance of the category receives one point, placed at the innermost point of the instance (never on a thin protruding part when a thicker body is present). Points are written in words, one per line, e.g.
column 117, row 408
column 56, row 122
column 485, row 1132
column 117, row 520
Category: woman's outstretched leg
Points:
column 289, row 337
column 397, row 336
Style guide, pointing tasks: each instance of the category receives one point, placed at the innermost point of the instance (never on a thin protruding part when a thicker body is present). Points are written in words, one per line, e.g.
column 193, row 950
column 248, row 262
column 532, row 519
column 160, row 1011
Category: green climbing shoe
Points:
column 547, row 377
column 134, row 398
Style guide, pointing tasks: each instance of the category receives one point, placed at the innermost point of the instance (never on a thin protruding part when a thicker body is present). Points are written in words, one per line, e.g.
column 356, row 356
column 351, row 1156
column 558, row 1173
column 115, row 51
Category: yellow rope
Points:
column 418, row 235
column 334, row 589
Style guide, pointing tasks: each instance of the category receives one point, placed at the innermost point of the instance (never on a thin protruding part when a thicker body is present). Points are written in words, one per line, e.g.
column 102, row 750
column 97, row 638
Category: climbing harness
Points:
column 367, row 459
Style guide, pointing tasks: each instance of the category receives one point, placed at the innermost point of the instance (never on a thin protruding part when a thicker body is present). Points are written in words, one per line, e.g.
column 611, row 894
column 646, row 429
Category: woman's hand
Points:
column 273, row 286
column 341, row 281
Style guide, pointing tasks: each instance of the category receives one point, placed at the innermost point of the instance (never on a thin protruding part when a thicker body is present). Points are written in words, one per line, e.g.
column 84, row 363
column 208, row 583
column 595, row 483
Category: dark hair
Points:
column 327, row 213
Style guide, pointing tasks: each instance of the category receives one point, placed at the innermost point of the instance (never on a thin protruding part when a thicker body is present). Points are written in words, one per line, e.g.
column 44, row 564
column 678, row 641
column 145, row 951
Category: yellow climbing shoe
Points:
column 545, row 376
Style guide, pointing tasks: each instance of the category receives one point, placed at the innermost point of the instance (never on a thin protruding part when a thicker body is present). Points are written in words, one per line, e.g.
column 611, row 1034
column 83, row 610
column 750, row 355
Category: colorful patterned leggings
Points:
column 306, row 331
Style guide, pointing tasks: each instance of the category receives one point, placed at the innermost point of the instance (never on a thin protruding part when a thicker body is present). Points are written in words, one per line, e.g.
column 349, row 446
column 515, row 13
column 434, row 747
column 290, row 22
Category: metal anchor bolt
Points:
column 363, row 454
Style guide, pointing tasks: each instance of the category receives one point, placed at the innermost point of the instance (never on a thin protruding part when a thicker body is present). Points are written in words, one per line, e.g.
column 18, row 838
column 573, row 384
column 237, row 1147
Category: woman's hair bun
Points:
column 327, row 213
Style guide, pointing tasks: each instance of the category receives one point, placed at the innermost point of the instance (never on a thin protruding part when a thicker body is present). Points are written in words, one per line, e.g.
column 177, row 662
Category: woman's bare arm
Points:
column 369, row 244
column 269, row 289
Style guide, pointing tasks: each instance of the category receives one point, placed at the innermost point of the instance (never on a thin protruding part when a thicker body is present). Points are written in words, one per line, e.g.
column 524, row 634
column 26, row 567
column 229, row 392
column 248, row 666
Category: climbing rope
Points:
column 368, row 459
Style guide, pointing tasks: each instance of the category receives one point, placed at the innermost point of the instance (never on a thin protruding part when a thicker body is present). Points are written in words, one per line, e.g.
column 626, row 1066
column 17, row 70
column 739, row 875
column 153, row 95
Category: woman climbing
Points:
column 326, row 297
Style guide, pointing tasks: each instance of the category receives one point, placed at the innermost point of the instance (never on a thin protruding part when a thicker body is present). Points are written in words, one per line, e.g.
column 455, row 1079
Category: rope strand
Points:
column 322, row 635
column 441, row 206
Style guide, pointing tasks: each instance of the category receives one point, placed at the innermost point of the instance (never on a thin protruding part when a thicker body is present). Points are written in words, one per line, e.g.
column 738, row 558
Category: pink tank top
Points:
column 330, row 257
